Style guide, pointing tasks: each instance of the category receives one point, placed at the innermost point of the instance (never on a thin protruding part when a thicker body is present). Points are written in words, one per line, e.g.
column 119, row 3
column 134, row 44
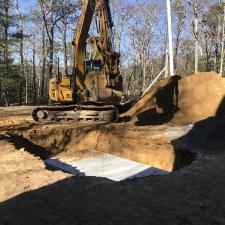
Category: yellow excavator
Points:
column 95, row 90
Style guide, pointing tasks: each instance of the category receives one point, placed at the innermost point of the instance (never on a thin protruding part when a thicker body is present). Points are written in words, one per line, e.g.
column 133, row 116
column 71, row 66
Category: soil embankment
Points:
column 181, row 101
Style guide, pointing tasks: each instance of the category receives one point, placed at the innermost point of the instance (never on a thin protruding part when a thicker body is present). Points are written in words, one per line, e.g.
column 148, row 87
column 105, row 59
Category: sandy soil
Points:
column 20, row 172
column 29, row 193
column 181, row 100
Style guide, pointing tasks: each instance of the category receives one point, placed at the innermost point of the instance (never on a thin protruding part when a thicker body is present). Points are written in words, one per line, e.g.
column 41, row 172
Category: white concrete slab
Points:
column 104, row 165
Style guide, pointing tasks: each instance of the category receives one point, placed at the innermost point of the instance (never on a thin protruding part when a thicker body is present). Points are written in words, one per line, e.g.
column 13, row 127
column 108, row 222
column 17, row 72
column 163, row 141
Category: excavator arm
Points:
column 80, row 39
column 109, row 77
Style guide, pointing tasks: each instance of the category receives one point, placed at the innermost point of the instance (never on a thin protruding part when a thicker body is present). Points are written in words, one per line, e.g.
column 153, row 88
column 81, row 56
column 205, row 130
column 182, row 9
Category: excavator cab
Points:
column 92, row 65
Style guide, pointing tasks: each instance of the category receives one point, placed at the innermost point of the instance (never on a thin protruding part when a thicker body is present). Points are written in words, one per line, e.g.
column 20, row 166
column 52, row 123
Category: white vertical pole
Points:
column 170, row 36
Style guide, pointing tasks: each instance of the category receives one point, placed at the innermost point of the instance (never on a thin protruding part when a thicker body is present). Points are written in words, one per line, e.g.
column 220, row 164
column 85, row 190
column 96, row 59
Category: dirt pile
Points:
column 201, row 95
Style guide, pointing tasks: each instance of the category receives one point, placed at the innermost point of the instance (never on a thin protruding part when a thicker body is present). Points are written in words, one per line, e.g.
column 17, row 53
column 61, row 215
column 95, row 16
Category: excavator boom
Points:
column 80, row 40
column 107, row 82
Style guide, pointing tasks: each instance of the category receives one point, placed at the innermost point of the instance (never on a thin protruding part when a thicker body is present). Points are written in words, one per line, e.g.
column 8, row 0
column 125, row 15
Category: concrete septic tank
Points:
column 103, row 165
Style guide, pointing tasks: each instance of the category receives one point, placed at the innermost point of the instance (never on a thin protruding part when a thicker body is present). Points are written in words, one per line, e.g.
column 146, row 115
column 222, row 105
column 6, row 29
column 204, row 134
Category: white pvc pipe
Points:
column 170, row 37
column 154, row 81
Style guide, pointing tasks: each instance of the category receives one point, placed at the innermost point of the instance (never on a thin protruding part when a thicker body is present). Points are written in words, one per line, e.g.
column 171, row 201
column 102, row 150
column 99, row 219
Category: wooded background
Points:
column 33, row 39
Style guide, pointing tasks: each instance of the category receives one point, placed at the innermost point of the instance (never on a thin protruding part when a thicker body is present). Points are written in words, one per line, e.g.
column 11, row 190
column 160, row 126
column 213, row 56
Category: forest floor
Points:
column 193, row 193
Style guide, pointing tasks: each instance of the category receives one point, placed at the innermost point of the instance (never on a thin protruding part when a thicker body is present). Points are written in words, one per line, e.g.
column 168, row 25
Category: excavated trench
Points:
column 123, row 140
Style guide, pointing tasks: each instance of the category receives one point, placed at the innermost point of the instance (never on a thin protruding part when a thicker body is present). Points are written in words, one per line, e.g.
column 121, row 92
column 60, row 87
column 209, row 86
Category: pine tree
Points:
column 8, row 71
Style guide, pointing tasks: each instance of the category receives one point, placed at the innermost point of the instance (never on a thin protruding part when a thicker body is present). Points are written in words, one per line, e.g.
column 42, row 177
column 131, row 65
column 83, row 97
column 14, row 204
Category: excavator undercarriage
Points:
column 77, row 113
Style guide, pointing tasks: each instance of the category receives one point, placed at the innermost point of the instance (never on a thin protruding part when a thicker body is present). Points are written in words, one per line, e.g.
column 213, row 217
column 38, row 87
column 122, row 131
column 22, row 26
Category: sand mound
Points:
column 201, row 95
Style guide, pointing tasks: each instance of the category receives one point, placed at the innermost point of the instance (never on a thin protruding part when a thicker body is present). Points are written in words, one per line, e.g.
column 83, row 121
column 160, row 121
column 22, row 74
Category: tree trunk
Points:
column 0, row 91
column 217, row 47
column 207, row 53
column 51, row 59
column 51, row 48
column 129, row 84
column 22, row 71
column 196, row 44
column 34, row 71
column 65, row 46
column 43, row 62
column 38, row 89
column 50, row 33
column 21, row 53
column 177, row 44
column 26, row 83
column 144, row 74
column 6, row 52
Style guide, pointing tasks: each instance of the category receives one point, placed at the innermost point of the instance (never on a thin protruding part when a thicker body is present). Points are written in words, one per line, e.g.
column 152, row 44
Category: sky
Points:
column 26, row 5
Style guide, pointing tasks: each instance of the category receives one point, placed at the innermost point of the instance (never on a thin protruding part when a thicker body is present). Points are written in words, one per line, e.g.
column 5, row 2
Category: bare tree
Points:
column 195, row 32
column 50, row 14
column 54, row 11
column 6, row 49
column 44, row 59
column 34, row 68
column 218, row 41
column 68, row 16
column 21, row 37
column 180, row 13
column 122, row 12
column 211, row 35
column 142, row 33
column 197, row 10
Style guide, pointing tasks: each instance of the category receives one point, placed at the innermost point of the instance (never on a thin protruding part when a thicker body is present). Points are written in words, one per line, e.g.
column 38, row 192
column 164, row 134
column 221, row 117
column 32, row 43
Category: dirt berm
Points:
column 181, row 100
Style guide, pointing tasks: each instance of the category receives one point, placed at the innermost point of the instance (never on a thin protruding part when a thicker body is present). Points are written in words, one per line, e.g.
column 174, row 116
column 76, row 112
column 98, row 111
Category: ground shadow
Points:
column 57, row 165
column 183, row 158
column 221, row 108
column 127, row 106
column 166, row 100
column 206, row 136
column 152, row 117
column 22, row 143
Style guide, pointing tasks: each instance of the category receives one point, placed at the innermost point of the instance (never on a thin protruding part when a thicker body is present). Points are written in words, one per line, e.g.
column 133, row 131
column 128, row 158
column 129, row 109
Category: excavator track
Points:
column 76, row 113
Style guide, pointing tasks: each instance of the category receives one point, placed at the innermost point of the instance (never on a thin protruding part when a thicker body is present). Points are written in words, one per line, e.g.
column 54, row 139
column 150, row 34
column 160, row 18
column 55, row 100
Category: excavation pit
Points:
column 123, row 142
